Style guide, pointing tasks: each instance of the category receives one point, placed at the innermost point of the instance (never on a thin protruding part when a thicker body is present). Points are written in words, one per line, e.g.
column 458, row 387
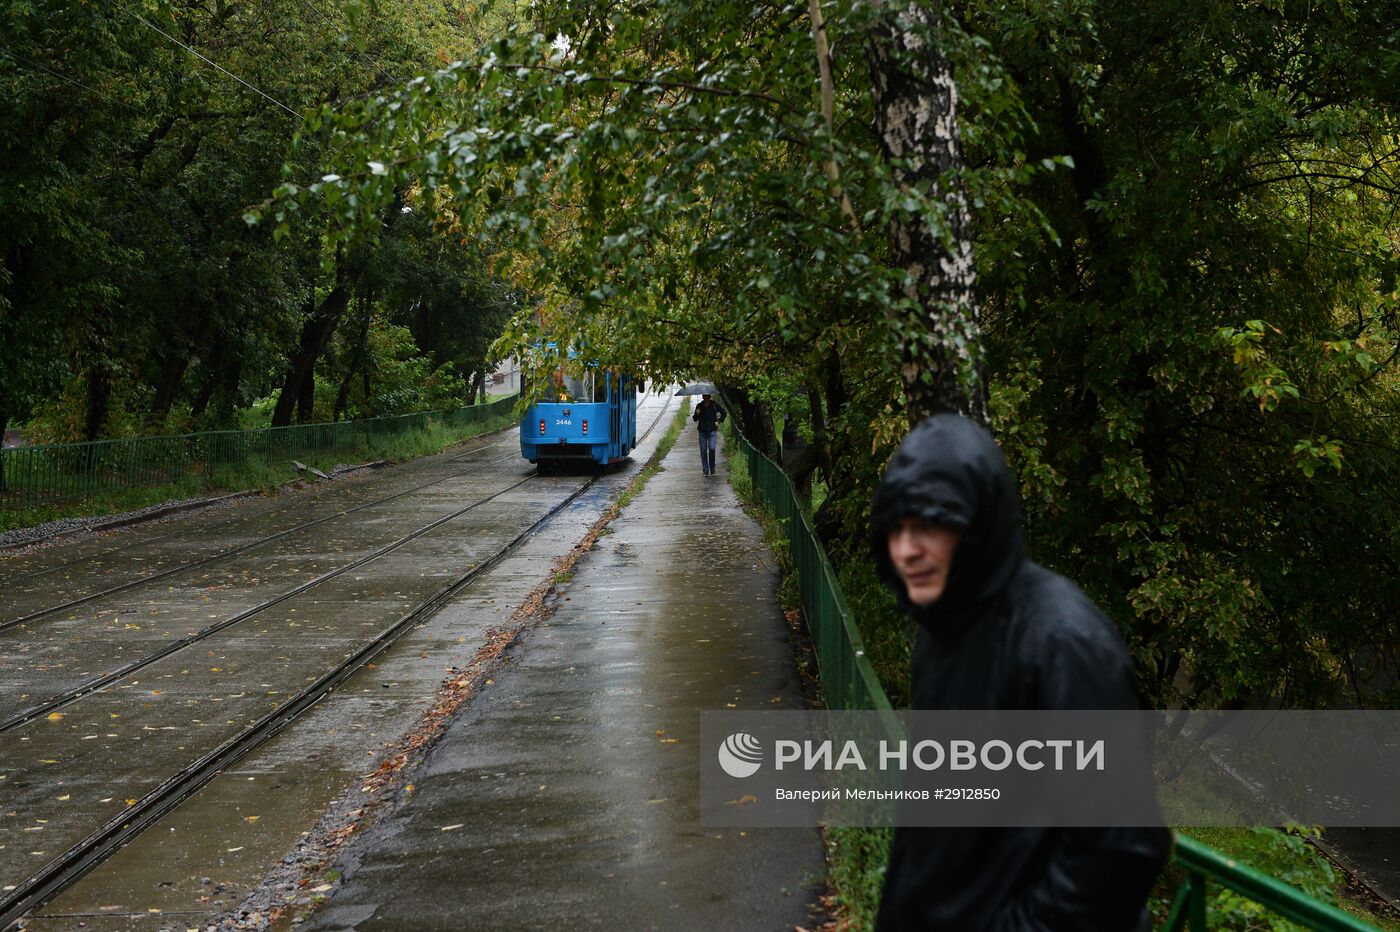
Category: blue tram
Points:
column 581, row 419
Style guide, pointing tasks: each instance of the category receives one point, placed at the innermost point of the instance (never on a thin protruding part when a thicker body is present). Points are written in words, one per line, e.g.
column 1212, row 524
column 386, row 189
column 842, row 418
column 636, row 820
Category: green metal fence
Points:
column 42, row 474
column 1204, row 864
column 849, row 682
column 848, row 679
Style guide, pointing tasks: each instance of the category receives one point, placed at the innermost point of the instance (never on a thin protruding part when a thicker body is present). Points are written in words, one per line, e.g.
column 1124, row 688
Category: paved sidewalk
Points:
column 565, row 796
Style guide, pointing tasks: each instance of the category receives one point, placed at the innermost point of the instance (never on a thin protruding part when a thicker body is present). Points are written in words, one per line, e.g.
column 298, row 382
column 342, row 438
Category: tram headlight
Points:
column 585, row 427
column 541, row 427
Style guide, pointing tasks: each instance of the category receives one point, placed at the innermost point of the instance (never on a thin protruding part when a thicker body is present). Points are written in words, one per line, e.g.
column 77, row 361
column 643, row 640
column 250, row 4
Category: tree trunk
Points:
column 316, row 333
column 755, row 420
column 821, row 443
column 175, row 362
column 213, row 370
column 172, row 375
column 916, row 120
column 342, row 395
column 836, row 396
column 298, row 387
column 357, row 360
column 306, row 394
column 228, row 390
column 99, row 397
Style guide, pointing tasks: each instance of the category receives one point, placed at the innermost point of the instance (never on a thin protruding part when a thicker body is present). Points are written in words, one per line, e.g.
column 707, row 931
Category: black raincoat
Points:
column 1005, row 634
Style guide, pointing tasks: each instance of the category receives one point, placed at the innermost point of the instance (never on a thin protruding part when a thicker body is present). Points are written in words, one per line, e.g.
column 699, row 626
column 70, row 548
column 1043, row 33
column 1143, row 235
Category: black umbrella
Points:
column 697, row 388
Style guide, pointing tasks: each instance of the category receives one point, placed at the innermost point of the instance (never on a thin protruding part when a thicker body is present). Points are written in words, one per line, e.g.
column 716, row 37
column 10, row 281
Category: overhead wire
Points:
column 255, row 89
column 62, row 77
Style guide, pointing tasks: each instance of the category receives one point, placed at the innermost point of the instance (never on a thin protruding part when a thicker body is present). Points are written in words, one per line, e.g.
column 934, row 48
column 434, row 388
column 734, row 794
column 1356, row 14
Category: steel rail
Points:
column 170, row 647
column 233, row 551
column 157, row 803
column 21, row 577
column 160, row 801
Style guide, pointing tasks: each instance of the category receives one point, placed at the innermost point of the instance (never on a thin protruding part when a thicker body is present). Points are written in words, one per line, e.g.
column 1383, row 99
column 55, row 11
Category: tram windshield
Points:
column 562, row 387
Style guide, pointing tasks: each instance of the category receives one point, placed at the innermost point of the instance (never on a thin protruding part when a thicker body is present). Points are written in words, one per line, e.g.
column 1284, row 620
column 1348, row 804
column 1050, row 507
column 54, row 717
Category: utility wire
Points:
column 364, row 56
column 196, row 53
column 62, row 77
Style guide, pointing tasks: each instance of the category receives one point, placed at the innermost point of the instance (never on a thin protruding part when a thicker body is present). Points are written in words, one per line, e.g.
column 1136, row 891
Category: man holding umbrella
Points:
column 708, row 416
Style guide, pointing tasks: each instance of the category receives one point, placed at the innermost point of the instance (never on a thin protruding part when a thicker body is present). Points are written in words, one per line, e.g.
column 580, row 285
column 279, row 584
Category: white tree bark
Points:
column 916, row 120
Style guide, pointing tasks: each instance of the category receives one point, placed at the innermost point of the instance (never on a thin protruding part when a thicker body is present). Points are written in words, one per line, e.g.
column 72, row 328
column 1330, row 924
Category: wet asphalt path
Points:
column 566, row 796
column 68, row 772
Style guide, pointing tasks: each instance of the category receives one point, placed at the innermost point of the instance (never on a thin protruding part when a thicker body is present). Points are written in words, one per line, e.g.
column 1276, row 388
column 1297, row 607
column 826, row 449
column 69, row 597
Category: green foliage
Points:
column 1146, row 197
column 1285, row 855
column 1185, row 243
column 883, row 628
column 134, row 296
column 1190, row 381
column 856, row 860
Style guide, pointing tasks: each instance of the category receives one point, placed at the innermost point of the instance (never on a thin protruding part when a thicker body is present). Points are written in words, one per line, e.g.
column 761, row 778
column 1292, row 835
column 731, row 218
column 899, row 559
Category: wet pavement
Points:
column 566, row 795
column 1372, row 854
column 65, row 773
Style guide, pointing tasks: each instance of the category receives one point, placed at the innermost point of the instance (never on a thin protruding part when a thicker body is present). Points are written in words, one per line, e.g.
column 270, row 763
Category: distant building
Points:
column 506, row 378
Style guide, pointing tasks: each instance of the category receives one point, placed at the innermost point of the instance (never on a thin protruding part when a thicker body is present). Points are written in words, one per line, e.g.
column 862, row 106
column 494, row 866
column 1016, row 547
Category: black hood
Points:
column 949, row 469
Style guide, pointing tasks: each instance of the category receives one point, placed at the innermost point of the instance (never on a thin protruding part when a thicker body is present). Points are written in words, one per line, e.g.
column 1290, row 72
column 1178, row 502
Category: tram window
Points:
column 562, row 388
column 600, row 387
column 553, row 384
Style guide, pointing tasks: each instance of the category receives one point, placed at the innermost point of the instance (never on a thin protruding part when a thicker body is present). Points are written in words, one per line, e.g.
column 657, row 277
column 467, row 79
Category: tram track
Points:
column 10, row 579
column 156, row 804
column 58, row 701
column 163, row 798
column 223, row 554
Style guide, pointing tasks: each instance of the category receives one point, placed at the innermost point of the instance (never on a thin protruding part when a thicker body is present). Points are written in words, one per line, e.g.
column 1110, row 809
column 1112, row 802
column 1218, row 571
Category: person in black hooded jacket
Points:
column 997, row 631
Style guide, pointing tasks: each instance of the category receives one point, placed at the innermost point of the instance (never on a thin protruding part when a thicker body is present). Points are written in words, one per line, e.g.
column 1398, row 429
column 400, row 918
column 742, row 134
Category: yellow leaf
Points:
column 55, row 716
column 251, row 818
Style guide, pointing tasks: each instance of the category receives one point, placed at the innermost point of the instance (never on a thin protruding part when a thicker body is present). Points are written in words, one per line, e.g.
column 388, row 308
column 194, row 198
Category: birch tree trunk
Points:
column 916, row 121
